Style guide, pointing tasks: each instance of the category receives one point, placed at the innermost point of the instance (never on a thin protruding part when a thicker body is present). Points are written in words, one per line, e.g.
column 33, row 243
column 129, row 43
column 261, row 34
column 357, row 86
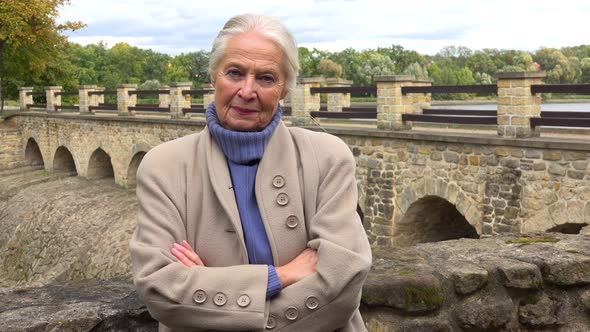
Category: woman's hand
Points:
column 185, row 254
column 299, row 268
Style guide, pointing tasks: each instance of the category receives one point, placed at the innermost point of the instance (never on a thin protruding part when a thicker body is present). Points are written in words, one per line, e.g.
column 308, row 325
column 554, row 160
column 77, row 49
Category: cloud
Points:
column 424, row 26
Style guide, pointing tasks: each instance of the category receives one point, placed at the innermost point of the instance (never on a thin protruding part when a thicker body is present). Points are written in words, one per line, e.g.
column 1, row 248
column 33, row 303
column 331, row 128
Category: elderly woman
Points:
column 250, row 225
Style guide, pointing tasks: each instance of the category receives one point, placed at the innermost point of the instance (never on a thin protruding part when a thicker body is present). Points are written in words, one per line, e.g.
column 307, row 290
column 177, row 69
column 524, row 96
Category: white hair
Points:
column 268, row 26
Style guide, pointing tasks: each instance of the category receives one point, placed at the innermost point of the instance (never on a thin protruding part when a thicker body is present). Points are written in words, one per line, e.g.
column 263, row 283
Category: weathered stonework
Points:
column 391, row 103
column 52, row 99
column 409, row 182
column 505, row 283
column 336, row 101
column 516, row 104
column 303, row 102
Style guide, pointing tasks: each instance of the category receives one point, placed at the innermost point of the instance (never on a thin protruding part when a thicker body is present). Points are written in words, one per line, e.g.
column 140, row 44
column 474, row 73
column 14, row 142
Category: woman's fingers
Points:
column 186, row 252
column 181, row 258
column 192, row 254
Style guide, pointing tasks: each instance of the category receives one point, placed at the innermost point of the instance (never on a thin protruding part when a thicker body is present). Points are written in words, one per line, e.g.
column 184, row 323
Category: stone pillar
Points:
column 391, row 104
column 421, row 101
column 209, row 97
column 178, row 101
column 52, row 99
column 85, row 100
column 100, row 98
column 164, row 97
column 23, row 99
column 303, row 102
column 124, row 100
column 516, row 103
column 338, row 100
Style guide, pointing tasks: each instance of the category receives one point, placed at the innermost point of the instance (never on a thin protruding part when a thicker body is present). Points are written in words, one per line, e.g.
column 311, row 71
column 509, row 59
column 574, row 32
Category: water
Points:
column 55, row 228
column 561, row 107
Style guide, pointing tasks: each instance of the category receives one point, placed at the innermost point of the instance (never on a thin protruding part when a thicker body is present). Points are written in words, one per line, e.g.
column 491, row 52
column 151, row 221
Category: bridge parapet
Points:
column 517, row 104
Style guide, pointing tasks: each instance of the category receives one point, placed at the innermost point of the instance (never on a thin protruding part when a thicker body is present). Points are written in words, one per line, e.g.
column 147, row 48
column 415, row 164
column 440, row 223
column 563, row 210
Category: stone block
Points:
column 486, row 313
column 575, row 155
column 414, row 292
column 551, row 155
column 517, row 274
column 539, row 314
column 567, row 270
column 451, row 157
column 555, row 169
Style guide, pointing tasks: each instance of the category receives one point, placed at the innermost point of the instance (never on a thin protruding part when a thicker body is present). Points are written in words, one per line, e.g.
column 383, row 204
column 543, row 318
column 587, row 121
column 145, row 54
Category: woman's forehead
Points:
column 253, row 47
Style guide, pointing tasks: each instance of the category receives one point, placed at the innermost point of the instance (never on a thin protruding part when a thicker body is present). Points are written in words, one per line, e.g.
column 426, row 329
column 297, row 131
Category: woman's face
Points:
column 249, row 82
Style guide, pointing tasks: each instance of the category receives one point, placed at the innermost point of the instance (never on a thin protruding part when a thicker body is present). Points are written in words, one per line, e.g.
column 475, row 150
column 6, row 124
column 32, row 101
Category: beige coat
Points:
column 306, row 192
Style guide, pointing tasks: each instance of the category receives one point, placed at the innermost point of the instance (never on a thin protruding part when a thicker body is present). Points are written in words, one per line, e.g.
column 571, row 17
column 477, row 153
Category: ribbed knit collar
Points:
column 240, row 147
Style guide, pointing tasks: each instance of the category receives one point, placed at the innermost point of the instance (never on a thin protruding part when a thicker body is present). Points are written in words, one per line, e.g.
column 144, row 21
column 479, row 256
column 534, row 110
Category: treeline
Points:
column 122, row 63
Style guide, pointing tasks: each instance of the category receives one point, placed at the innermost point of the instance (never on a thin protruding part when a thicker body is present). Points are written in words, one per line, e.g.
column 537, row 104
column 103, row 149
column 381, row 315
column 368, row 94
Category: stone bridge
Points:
column 419, row 185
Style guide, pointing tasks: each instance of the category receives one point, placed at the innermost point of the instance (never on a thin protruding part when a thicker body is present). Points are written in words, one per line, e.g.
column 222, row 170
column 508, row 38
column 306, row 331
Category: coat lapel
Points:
column 281, row 160
column 222, row 185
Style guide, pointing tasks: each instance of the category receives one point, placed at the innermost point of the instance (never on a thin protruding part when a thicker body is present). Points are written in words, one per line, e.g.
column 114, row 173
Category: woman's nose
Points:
column 248, row 89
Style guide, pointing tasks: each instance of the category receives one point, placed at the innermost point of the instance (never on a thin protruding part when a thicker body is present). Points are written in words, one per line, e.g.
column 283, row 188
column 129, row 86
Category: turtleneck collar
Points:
column 240, row 147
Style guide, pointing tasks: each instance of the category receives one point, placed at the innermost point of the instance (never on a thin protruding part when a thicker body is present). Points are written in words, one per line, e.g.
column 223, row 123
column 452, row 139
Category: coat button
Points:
column 282, row 199
column 292, row 221
column 243, row 300
column 271, row 322
column 278, row 181
column 220, row 299
column 312, row 302
column 292, row 313
column 200, row 296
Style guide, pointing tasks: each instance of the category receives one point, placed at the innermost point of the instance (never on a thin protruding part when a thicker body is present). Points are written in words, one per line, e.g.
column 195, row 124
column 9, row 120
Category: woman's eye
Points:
column 234, row 73
column 267, row 79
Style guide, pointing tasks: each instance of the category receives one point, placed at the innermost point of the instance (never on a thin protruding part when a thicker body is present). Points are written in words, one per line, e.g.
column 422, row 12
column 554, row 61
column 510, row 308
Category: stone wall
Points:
column 121, row 138
column 498, row 185
column 505, row 283
column 11, row 154
column 492, row 184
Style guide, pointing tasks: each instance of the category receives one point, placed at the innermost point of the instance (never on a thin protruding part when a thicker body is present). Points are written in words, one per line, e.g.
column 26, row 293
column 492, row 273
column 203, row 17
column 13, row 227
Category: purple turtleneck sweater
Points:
column 243, row 151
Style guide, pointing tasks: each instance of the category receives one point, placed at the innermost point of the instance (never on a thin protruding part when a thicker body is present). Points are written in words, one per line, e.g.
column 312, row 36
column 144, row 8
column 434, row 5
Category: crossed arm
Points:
column 300, row 267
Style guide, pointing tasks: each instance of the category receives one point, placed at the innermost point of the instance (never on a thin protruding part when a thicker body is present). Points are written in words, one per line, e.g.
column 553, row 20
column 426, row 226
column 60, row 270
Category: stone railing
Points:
column 400, row 101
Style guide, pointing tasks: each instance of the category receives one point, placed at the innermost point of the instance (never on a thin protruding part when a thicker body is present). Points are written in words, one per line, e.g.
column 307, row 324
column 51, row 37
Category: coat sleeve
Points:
column 179, row 297
column 326, row 300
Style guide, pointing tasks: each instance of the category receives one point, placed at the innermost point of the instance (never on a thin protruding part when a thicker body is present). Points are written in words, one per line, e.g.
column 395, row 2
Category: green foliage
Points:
column 419, row 71
column 329, row 68
column 31, row 44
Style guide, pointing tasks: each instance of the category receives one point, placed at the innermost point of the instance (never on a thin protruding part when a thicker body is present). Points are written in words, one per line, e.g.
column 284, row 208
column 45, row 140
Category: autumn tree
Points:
column 30, row 39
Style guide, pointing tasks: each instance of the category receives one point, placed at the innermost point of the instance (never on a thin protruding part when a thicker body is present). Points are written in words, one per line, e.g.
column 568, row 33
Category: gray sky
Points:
column 425, row 26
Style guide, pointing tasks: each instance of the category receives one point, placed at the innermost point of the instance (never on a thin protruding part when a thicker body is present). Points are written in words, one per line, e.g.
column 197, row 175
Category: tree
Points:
column 417, row 70
column 329, row 68
column 30, row 38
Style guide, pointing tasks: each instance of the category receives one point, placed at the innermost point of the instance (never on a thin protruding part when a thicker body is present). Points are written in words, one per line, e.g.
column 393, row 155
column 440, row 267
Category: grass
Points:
column 532, row 239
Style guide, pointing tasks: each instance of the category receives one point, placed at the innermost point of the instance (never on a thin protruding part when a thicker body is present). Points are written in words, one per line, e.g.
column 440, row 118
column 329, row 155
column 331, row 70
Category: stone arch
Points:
column 133, row 166
column 431, row 219
column 33, row 156
column 63, row 161
column 100, row 165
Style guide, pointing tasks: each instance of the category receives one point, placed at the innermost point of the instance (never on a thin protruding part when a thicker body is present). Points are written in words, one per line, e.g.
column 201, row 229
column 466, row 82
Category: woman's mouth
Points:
column 243, row 111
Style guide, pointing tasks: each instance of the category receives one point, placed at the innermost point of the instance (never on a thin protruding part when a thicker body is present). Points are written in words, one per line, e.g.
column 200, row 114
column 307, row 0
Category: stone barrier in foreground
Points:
column 507, row 283
column 516, row 283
